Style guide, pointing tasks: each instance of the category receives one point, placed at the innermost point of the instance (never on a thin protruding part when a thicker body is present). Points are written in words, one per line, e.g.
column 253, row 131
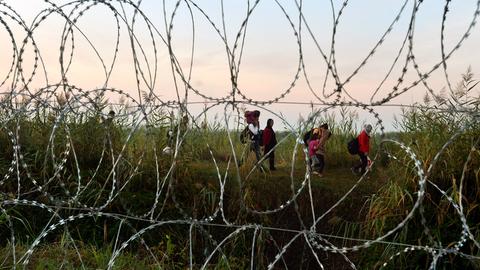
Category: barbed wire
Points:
column 58, row 190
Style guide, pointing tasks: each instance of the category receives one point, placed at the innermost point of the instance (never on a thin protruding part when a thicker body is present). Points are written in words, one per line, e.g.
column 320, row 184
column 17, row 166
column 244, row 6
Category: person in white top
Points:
column 254, row 128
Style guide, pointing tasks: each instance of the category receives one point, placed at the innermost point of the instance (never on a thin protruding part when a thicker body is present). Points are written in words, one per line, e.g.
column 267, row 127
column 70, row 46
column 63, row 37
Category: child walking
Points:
column 313, row 146
column 324, row 135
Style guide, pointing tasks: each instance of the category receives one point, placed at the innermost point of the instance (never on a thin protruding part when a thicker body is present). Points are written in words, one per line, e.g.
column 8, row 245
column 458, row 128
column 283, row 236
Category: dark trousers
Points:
column 363, row 163
column 318, row 166
column 271, row 156
column 321, row 164
column 255, row 147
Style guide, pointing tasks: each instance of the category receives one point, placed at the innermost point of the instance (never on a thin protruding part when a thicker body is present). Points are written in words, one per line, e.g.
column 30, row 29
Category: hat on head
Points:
column 368, row 128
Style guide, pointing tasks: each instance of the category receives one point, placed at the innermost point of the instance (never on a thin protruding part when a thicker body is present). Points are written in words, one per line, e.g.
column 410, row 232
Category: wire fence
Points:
column 56, row 183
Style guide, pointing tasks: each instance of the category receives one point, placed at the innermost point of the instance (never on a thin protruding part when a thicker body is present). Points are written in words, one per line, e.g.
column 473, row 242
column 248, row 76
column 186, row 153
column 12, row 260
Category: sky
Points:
column 268, row 62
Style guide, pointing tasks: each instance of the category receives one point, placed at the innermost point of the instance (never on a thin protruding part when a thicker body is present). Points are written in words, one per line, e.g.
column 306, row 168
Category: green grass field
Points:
column 198, row 201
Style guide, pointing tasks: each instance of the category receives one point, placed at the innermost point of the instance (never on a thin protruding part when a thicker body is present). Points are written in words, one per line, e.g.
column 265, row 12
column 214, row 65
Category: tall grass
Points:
column 192, row 189
column 426, row 129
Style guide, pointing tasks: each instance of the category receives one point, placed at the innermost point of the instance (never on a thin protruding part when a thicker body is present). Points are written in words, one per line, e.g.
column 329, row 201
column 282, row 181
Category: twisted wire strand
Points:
column 60, row 190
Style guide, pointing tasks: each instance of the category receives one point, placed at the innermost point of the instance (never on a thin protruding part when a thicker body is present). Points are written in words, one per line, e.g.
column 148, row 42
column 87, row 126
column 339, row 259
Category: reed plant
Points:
column 447, row 125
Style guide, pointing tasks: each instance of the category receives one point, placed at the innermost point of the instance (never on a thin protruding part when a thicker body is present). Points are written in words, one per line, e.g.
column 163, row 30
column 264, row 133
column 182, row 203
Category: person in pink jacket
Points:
column 323, row 136
column 313, row 146
column 363, row 149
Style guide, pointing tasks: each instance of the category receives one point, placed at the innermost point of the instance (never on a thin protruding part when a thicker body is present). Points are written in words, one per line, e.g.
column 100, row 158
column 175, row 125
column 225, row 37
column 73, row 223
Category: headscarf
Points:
column 368, row 129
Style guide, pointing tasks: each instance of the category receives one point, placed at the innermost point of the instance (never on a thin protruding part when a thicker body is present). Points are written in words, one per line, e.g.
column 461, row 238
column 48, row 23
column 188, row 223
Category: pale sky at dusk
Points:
column 270, row 56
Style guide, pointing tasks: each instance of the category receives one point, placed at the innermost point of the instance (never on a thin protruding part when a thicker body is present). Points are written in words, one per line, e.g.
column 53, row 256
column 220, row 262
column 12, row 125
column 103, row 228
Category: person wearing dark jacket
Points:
column 363, row 149
column 269, row 141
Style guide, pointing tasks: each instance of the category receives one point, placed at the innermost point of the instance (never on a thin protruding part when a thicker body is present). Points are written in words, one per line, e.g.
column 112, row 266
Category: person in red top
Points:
column 363, row 149
column 269, row 141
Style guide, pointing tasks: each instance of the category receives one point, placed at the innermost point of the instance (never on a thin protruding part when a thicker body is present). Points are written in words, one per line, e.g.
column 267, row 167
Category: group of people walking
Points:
column 266, row 138
column 315, row 140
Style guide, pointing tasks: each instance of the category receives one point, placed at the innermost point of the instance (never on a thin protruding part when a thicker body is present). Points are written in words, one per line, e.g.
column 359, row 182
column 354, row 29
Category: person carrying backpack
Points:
column 269, row 141
column 363, row 149
column 254, row 128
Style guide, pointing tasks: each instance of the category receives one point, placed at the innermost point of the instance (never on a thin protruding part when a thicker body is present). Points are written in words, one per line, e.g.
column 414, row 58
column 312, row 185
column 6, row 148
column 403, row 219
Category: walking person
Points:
column 363, row 149
column 254, row 128
column 307, row 137
column 324, row 135
column 269, row 141
column 313, row 145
